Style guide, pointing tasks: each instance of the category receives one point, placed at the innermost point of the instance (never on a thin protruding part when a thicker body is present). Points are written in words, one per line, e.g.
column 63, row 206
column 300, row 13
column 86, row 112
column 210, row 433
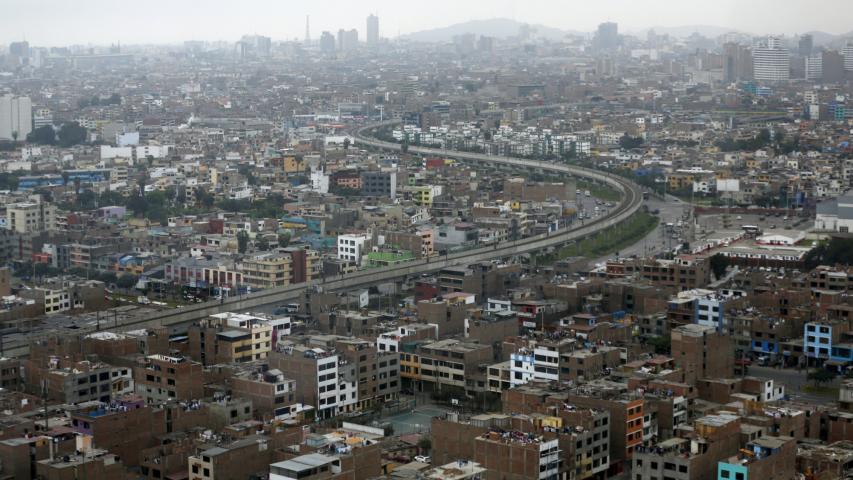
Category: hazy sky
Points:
column 63, row 22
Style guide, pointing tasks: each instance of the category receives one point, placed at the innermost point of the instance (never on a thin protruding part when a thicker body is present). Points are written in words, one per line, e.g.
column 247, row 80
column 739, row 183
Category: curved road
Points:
column 631, row 201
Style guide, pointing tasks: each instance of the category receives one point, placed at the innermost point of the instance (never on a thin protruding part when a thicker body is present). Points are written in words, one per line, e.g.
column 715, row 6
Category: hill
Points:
column 494, row 27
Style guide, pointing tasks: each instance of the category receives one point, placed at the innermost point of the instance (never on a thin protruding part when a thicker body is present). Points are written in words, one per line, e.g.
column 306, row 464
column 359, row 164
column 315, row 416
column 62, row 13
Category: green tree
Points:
column 662, row 345
column 628, row 142
column 44, row 135
column 86, row 200
column 346, row 143
column 126, row 281
column 246, row 171
column 263, row 244
column 71, row 133
column 821, row 376
column 110, row 198
column 137, row 204
column 8, row 181
column 41, row 269
column 140, row 182
column 108, row 277
column 284, row 239
column 425, row 444
column 242, row 241
column 719, row 263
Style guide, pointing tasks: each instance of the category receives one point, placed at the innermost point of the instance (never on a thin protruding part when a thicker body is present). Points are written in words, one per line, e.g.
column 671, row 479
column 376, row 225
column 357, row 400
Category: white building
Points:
column 127, row 139
column 16, row 117
column 814, row 67
column 540, row 363
column 771, row 62
column 498, row 305
column 135, row 153
column 42, row 117
column 835, row 215
column 31, row 217
column 319, row 181
column 848, row 57
column 351, row 247
column 29, row 152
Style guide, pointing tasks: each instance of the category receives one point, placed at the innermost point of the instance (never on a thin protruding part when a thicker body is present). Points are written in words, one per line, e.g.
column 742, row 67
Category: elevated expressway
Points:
column 178, row 319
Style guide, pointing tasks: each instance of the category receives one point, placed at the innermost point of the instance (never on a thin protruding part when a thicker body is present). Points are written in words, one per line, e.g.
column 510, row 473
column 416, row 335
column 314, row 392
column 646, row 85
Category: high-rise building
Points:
column 327, row 42
column 832, row 65
column 257, row 45
column 307, row 30
column 737, row 62
column 848, row 57
column 607, row 36
column 20, row 49
column 372, row 30
column 806, row 45
column 814, row 67
column 16, row 117
column 347, row 39
column 771, row 62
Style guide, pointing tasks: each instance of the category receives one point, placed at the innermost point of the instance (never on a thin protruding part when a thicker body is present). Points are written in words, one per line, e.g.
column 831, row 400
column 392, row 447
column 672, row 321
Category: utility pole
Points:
column 44, row 401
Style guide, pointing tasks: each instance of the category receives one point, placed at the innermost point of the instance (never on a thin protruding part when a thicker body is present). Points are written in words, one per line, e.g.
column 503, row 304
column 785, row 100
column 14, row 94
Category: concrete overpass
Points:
column 177, row 319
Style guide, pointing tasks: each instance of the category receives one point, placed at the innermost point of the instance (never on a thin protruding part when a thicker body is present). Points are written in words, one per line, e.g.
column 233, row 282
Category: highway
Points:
column 631, row 201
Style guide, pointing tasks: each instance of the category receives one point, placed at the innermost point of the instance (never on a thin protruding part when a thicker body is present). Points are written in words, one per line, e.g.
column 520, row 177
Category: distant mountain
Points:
column 495, row 27
column 683, row 31
column 822, row 38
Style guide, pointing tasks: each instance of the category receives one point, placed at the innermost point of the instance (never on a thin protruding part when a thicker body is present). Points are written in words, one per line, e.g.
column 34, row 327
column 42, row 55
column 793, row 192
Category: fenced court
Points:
column 416, row 420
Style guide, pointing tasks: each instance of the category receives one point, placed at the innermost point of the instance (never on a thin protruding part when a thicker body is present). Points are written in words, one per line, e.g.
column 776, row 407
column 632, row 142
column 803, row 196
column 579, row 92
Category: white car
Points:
column 422, row 459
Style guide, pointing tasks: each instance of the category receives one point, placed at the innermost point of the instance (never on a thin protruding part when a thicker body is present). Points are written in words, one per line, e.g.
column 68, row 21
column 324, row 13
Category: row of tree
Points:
column 42, row 270
column 114, row 99
column 69, row 134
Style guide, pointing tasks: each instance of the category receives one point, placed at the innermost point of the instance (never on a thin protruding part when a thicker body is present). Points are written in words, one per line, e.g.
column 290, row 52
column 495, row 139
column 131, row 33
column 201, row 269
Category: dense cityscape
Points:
column 492, row 251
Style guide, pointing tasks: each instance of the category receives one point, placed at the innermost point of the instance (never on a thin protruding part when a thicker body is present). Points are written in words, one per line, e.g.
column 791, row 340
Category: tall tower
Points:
column 372, row 30
column 307, row 29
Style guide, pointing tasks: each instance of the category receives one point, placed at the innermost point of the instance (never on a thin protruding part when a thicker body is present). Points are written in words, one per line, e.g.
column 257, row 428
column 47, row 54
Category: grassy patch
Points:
column 821, row 390
column 608, row 241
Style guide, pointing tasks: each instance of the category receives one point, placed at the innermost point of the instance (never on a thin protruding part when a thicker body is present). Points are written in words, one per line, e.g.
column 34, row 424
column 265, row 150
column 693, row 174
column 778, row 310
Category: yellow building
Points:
column 268, row 270
column 680, row 181
column 313, row 265
column 293, row 165
column 423, row 195
column 410, row 366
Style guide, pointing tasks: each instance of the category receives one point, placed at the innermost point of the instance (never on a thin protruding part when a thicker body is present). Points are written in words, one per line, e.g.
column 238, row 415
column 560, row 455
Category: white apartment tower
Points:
column 372, row 30
column 771, row 62
column 848, row 57
column 16, row 117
